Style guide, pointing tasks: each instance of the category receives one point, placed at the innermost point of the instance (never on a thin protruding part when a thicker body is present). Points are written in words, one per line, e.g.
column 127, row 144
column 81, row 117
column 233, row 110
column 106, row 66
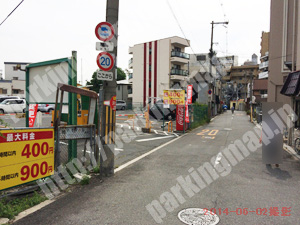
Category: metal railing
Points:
column 180, row 54
column 130, row 76
column 179, row 72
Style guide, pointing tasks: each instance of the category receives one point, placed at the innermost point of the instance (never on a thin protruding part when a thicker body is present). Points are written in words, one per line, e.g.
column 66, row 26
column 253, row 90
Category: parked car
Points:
column 46, row 107
column 121, row 105
column 12, row 106
column 157, row 111
column 2, row 98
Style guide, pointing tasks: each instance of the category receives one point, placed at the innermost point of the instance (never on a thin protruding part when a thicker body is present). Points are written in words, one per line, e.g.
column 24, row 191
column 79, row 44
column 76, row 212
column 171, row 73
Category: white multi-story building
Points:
column 14, row 79
column 157, row 66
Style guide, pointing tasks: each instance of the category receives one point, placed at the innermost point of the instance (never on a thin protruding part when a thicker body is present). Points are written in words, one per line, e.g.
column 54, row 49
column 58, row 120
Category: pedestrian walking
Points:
column 232, row 109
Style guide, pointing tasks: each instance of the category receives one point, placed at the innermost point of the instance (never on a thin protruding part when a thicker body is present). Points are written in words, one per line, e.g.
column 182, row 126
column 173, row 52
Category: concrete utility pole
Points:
column 109, row 88
column 251, row 87
column 211, row 54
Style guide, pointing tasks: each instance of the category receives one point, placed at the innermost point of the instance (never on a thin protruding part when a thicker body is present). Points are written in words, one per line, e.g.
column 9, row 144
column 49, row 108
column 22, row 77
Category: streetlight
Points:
column 211, row 54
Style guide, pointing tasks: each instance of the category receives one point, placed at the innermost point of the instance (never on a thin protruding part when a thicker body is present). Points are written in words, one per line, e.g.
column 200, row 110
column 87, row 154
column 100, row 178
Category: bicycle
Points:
column 297, row 145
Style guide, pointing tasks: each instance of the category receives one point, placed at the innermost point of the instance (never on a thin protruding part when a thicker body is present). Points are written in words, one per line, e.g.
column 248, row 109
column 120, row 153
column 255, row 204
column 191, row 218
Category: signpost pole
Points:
column 109, row 90
column 183, row 114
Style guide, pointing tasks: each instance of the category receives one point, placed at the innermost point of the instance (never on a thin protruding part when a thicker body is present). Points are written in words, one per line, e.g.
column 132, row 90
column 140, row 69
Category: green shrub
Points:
column 10, row 209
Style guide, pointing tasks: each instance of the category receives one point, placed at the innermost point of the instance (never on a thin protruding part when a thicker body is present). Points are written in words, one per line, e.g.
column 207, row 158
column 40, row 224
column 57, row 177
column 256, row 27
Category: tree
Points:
column 121, row 75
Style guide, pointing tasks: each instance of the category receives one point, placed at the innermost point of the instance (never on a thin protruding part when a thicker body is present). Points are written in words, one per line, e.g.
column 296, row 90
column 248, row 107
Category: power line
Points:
column 11, row 12
column 177, row 21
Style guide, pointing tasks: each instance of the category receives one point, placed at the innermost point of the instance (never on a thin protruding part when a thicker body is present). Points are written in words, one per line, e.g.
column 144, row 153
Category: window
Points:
column 119, row 87
column 177, row 49
column 149, row 67
column 15, row 78
column 150, row 51
column 149, row 84
column 15, row 91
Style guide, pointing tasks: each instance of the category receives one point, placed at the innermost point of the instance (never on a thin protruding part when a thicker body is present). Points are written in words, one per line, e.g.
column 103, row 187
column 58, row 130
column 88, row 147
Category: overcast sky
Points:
column 41, row 30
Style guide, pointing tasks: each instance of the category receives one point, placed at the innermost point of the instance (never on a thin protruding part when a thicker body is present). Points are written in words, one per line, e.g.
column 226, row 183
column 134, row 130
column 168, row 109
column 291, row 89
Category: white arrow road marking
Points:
column 218, row 159
column 151, row 139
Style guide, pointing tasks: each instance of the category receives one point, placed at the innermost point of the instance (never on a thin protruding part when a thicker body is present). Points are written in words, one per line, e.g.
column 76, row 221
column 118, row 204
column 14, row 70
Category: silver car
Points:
column 121, row 105
column 46, row 107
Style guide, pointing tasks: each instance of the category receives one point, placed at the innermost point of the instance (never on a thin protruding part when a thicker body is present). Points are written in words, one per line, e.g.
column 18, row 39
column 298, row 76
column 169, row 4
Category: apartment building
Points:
column 284, row 48
column 156, row 66
column 13, row 82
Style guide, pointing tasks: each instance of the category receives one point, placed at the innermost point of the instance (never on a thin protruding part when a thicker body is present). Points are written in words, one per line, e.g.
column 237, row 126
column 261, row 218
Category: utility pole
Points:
column 211, row 54
column 251, row 87
column 109, row 90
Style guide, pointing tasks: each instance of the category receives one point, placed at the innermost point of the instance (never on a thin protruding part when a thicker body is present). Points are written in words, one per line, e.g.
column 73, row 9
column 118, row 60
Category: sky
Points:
column 41, row 30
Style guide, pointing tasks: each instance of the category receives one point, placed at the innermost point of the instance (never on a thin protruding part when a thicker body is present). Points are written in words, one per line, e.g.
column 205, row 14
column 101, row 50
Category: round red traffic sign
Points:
column 104, row 31
column 105, row 61
column 209, row 92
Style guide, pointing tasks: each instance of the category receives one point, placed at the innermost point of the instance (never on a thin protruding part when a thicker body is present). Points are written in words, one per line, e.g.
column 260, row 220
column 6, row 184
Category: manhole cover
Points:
column 197, row 216
column 227, row 129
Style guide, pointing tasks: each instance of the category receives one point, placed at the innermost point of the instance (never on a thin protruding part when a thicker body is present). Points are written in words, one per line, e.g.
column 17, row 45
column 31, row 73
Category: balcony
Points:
column 264, row 65
column 130, row 63
column 177, row 74
column 130, row 50
column 130, row 76
column 179, row 57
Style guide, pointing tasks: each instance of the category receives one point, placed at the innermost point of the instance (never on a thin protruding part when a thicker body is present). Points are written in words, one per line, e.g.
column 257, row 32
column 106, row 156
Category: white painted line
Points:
column 176, row 134
column 119, row 149
column 146, row 154
column 129, row 127
column 32, row 210
column 63, row 143
column 155, row 131
column 151, row 139
column 138, row 128
column 165, row 133
column 218, row 159
column 212, row 119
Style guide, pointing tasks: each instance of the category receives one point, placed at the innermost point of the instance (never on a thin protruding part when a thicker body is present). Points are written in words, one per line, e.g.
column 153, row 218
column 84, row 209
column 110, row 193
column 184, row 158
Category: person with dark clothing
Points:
column 232, row 109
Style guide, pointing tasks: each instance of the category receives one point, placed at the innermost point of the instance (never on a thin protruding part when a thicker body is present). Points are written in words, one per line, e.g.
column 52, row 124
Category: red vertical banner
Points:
column 32, row 113
column 187, row 118
column 189, row 94
column 180, row 117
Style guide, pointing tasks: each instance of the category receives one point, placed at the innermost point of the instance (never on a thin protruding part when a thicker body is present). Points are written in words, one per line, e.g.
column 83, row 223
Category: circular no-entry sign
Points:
column 209, row 92
column 104, row 31
column 105, row 61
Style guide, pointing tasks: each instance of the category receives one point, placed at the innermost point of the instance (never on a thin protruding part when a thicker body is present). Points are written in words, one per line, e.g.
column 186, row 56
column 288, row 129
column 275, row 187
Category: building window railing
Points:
column 180, row 54
column 129, row 91
column 130, row 61
column 179, row 72
column 130, row 76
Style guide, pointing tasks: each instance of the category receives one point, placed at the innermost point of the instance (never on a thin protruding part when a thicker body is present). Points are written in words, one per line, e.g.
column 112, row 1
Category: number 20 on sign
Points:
column 105, row 61
column 25, row 155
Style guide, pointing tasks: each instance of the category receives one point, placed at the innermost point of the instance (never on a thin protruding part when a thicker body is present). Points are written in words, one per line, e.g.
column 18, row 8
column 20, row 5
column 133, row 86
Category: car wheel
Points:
column 23, row 110
column 50, row 110
column 1, row 111
column 123, row 108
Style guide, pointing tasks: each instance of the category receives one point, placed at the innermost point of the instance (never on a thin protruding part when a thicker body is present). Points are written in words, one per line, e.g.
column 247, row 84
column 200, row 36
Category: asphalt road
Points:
column 250, row 185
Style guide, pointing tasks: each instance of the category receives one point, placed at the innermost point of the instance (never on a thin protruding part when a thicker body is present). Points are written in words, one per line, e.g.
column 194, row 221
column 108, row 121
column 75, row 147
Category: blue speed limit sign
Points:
column 105, row 61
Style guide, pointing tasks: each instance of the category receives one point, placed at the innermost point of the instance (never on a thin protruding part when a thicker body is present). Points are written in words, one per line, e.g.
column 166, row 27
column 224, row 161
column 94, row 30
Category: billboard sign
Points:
column 25, row 155
column 174, row 97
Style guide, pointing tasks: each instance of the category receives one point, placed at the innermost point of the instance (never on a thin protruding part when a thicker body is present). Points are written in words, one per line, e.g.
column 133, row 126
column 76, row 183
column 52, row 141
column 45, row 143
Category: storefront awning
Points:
column 291, row 86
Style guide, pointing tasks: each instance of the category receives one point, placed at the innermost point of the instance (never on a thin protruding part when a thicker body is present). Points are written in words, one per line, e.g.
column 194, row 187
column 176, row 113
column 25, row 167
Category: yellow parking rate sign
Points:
column 25, row 156
column 174, row 97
